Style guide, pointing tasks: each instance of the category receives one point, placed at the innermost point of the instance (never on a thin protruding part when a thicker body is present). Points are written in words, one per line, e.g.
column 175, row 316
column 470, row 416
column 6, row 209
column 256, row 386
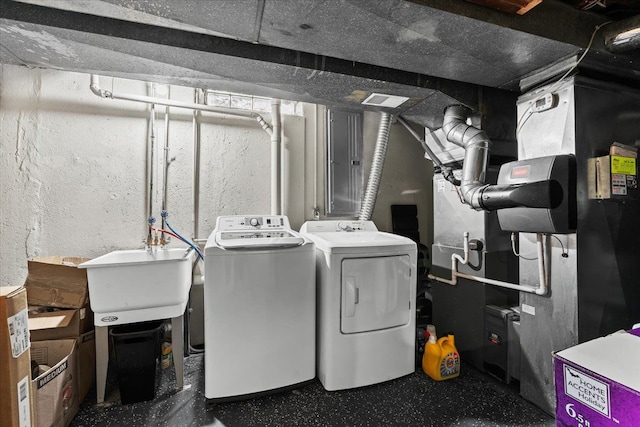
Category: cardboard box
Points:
column 598, row 382
column 57, row 282
column 15, row 359
column 59, row 324
column 55, row 391
column 618, row 149
column 86, row 345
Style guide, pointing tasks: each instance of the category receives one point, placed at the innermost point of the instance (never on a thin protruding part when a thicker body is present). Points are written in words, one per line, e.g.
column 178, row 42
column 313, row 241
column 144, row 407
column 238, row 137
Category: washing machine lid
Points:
column 253, row 232
column 258, row 239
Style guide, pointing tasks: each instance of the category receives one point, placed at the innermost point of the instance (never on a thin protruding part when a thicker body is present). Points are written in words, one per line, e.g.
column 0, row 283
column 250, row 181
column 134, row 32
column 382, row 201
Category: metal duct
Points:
column 447, row 172
column 473, row 189
column 476, row 144
column 379, row 155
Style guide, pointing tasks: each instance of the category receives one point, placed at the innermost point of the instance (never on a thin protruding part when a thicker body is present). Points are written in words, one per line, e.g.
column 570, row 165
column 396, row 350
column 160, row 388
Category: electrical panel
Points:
column 344, row 162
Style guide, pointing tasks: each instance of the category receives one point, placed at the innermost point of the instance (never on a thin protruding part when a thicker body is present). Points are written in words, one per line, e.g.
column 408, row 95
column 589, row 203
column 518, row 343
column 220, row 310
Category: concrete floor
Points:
column 473, row 399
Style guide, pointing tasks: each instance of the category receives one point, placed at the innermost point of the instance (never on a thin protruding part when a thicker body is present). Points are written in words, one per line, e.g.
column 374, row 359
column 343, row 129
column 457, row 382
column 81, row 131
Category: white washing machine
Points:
column 366, row 281
column 260, row 308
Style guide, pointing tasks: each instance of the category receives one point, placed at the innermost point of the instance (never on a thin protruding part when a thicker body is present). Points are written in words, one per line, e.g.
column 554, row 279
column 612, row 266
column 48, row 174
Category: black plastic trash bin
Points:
column 137, row 347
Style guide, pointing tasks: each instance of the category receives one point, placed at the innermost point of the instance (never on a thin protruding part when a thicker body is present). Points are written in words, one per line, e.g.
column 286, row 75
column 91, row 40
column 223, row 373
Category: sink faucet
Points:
column 152, row 238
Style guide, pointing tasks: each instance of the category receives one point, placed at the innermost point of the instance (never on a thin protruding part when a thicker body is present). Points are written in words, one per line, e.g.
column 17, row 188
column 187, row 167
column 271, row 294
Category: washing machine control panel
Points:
column 350, row 226
column 243, row 222
column 240, row 231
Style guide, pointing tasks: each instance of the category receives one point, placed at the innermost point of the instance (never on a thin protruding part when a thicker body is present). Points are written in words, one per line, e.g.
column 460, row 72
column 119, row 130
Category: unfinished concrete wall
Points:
column 74, row 179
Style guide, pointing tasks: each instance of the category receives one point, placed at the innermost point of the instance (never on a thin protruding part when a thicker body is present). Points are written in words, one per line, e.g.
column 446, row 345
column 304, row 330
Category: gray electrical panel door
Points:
column 344, row 162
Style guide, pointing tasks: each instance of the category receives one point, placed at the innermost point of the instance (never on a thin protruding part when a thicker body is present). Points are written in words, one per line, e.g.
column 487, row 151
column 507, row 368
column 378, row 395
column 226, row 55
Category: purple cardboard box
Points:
column 598, row 382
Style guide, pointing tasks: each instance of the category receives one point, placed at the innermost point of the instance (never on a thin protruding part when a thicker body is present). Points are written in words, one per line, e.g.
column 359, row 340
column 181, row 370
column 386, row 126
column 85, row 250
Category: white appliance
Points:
column 366, row 283
column 260, row 307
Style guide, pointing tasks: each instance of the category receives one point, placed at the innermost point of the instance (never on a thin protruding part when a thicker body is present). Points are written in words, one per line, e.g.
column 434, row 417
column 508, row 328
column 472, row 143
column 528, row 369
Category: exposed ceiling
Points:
column 331, row 52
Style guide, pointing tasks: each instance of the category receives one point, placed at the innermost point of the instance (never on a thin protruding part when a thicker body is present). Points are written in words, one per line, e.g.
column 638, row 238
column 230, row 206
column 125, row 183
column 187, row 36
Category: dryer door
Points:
column 375, row 293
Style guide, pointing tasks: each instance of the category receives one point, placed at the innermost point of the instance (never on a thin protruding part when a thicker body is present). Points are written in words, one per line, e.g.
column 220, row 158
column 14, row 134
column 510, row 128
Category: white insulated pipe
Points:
column 541, row 289
column 275, row 157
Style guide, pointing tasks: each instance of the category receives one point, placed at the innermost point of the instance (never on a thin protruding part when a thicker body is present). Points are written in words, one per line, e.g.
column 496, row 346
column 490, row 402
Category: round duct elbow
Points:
column 476, row 144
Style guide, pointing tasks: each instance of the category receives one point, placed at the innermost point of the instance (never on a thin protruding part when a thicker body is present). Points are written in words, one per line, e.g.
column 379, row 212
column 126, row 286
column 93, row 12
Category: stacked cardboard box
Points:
column 55, row 388
column 598, row 382
column 62, row 338
column 16, row 399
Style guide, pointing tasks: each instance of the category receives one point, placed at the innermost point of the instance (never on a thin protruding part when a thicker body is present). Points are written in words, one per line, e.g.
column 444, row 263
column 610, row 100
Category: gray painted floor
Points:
column 473, row 399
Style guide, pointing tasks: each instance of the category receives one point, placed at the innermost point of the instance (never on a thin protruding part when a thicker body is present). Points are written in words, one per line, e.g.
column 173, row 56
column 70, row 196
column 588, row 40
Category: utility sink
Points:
column 138, row 285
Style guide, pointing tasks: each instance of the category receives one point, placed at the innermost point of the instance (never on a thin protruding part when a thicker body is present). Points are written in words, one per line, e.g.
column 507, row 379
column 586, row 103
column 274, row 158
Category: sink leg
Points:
column 177, row 342
column 102, row 361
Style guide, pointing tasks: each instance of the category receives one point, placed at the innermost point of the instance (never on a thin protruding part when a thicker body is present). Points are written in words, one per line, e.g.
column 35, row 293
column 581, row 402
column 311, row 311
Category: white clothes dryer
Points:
column 259, row 303
column 366, row 282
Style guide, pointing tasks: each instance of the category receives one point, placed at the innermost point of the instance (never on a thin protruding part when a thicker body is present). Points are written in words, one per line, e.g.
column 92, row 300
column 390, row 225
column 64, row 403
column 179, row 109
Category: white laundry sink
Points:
column 138, row 285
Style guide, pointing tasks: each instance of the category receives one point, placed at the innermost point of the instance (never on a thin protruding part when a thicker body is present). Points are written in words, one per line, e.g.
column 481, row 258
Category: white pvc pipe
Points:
column 95, row 88
column 150, row 166
column 164, row 101
column 541, row 289
column 542, row 270
column 274, row 133
column 196, row 167
column 166, row 160
column 275, row 157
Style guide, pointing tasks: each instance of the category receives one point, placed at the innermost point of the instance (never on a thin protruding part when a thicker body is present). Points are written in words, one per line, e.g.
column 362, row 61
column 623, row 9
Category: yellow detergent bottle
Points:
column 441, row 360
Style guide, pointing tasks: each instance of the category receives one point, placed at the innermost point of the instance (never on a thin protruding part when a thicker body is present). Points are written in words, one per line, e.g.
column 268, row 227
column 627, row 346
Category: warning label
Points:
column 623, row 165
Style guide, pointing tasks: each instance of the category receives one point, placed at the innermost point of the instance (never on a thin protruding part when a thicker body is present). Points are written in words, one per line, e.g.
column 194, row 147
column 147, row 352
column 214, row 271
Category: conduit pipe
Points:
column 541, row 289
column 476, row 146
column 379, row 155
column 275, row 157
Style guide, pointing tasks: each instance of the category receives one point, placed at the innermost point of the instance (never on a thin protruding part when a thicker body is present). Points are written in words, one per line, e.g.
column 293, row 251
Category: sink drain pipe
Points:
column 379, row 155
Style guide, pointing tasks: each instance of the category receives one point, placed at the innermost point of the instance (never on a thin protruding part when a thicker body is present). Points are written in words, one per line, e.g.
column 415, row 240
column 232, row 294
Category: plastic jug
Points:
column 441, row 360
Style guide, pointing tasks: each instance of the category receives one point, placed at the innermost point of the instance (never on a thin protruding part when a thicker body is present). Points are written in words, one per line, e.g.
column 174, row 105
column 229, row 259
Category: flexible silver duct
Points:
column 476, row 144
column 371, row 193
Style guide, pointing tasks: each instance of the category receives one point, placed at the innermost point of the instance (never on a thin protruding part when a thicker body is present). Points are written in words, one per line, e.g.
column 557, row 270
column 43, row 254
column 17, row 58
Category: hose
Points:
column 375, row 174
column 164, row 215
